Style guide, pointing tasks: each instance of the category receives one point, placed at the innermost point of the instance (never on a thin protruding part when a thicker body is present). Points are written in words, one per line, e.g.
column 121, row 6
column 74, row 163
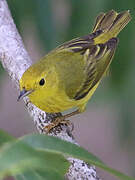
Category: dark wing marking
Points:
column 98, row 59
column 80, row 44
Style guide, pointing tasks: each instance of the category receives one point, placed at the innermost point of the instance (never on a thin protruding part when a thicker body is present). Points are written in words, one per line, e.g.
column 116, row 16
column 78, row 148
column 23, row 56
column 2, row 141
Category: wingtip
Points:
column 112, row 43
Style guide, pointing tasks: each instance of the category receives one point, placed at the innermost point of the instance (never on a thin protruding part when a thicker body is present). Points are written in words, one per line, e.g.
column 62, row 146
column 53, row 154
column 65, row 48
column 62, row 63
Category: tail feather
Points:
column 104, row 21
column 110, row 24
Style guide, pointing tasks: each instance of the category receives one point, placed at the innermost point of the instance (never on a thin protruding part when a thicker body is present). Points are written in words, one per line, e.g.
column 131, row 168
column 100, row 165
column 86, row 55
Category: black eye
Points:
column 41, row 82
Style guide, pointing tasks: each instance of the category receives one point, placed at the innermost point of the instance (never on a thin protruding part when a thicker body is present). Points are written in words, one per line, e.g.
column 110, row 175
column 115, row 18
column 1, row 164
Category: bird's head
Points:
column 37, row 83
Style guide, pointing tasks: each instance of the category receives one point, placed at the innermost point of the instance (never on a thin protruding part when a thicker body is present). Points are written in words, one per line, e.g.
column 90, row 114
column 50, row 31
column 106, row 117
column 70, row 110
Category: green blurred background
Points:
column 107, row 127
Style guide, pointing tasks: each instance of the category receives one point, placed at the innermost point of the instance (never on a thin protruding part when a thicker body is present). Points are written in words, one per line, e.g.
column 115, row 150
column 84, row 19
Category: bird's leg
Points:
column 61, row 120
column 71, row 114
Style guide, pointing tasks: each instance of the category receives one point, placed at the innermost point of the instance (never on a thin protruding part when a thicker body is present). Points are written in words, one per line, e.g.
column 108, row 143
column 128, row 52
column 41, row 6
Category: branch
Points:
column 16, row 60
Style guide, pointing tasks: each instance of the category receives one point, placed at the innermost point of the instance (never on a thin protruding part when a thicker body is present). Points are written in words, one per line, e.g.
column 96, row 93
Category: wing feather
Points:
column 97, row 60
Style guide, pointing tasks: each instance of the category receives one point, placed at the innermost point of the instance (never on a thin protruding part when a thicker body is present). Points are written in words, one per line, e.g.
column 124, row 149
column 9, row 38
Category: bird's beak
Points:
column 24, row 93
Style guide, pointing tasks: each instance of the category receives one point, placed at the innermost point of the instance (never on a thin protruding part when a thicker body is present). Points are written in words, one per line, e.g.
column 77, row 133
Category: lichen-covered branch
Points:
column 16, row 60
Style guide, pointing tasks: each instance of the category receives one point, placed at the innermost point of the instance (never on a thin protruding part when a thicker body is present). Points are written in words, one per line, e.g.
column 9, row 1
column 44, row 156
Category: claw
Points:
column 56, row 122
column 61, row 120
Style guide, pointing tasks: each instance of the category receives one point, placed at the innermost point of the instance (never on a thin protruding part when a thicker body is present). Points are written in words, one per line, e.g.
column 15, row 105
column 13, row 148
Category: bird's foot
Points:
column 61, row 120
column 58, row 121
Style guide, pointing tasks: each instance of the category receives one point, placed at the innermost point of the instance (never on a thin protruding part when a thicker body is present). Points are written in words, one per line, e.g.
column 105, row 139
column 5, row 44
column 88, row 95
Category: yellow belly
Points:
column 60, row 102
column 54, row 104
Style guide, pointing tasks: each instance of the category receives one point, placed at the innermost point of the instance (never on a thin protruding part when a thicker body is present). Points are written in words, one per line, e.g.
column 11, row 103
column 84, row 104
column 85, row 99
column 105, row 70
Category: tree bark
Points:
column 16, row 60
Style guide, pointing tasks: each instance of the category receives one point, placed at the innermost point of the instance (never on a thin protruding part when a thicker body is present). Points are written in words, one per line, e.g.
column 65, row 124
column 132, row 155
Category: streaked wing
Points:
column 97, row 60
column 80, row 44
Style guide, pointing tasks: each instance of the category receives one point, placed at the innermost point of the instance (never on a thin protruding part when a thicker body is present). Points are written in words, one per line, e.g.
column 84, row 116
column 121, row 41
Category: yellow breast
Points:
column 59, row 101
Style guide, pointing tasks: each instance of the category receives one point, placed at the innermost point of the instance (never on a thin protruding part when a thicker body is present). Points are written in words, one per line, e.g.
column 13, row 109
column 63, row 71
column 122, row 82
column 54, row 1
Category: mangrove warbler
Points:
column 68, row 76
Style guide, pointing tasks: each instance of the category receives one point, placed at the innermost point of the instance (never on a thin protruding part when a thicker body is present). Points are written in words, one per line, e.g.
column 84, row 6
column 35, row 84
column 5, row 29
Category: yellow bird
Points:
column 68, row 76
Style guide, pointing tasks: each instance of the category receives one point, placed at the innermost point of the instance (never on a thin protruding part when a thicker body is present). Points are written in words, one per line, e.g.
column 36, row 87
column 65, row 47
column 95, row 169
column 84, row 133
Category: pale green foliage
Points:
column 43, row 157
